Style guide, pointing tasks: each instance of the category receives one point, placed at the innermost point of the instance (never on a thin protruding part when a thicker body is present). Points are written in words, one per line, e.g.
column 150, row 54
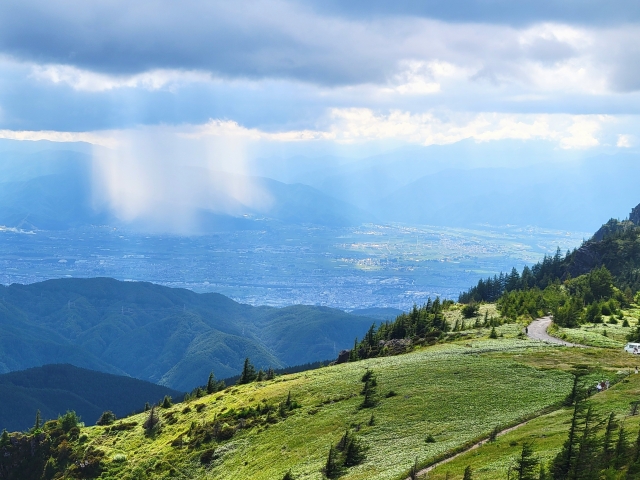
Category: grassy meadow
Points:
column 546, row 432
column 455, row 392
column 430, row 402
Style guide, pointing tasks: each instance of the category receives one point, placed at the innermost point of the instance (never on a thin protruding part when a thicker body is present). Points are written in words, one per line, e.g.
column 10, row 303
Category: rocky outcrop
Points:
column 634, row 216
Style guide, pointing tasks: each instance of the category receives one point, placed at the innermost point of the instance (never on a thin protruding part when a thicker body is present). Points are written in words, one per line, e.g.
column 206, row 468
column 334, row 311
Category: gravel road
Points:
column 537, row 330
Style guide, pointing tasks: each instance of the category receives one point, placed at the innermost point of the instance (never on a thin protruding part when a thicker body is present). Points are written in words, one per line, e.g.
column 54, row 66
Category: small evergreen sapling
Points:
column 107, row 418
column 369, row 389
column 468, row 473
column 4, row 439
column 152, row 420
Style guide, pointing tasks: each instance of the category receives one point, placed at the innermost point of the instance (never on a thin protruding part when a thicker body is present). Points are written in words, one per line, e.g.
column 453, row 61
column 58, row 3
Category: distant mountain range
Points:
column 54, row 389
column 460, row 185
column 58, row 189
column 170, row 336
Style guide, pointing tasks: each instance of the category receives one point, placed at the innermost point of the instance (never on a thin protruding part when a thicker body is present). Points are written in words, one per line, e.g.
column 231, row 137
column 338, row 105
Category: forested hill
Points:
column 171, row 336
column 54, row 389
column 616, row 245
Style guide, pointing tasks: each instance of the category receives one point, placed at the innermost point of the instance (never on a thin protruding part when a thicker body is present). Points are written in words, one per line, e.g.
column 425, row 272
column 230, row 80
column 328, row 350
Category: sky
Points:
column 166, row 82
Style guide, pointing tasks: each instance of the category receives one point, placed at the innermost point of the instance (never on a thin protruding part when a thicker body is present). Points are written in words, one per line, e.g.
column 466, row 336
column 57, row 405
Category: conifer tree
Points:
column 526, row 463
column 587, row 460
column 4, row 439
column 38, row 422
column 270, row 374
column 353, row 355
column 413, row 472
column 260, row 376
column 564, row 461
column 608, row 442
column 107, row 418
column 152, row 420
column 147, row 407
column 621, row 452
column 468, row 473
column 493, row 333
column 166, row 402
column 288, row 476
column 248, row 374
column 369, row 389
column 211, row 384
column 331, row 467
column 353, row 452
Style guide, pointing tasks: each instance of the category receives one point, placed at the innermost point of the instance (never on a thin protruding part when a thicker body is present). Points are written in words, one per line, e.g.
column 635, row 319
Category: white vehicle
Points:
column 632, row 348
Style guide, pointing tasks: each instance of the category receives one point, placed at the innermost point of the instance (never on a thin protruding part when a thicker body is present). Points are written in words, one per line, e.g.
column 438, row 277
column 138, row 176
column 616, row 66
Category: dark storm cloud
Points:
column 247, row 39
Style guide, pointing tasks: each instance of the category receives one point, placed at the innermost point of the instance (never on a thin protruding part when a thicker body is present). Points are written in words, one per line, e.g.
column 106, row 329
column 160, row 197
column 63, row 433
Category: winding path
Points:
column 426, row 470
column 537, row 330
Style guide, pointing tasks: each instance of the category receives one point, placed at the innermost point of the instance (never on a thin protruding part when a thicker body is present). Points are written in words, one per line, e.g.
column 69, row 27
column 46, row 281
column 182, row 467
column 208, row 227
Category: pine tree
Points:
column 166, row 402
column 147, row 407
column 270, row 374
column 493, row 333
column 4, row 439
column 248, row 374
column 288, row 401
column 369, row 389
column 211, row 384
column 608, row 445
column 372, row 421
column 413, row 472
column 288, row 476
column 621, row 452
column 152, row 420
column 38, row 422
column 468, row 473
column 587, row 463
column 107, row 418
column 353, row 452
column 353, row 355
column 260, row 376
column 564, row 461
column 526, row 464
column 331, row 467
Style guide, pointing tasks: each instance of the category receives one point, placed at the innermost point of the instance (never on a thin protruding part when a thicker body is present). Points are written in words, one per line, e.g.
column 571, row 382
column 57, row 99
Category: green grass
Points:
column 594, row 334
column 454, row 392
column 547, row 433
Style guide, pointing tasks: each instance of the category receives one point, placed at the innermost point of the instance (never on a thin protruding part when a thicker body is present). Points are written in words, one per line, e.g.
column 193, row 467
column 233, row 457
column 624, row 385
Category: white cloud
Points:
column 94, row 138
column 625, row 141
column 86, row 80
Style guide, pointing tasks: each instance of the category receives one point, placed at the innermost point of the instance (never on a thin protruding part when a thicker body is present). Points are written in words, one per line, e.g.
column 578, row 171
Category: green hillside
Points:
column 426, row 403
column 54, row 389
column 174, row 337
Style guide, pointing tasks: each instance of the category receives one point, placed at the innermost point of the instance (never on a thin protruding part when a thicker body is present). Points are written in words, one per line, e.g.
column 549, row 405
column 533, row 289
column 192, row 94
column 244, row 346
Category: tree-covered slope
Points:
column 172, row 336
column 54, row 389
column 616, row 246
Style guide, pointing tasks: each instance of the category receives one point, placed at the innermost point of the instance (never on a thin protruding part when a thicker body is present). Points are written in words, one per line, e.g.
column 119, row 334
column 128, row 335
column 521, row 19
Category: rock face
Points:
column 343, row 356
column 634, row 216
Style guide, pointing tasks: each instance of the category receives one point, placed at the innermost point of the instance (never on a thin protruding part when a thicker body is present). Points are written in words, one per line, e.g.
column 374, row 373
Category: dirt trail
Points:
column 537, row 330
column 472, row 447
